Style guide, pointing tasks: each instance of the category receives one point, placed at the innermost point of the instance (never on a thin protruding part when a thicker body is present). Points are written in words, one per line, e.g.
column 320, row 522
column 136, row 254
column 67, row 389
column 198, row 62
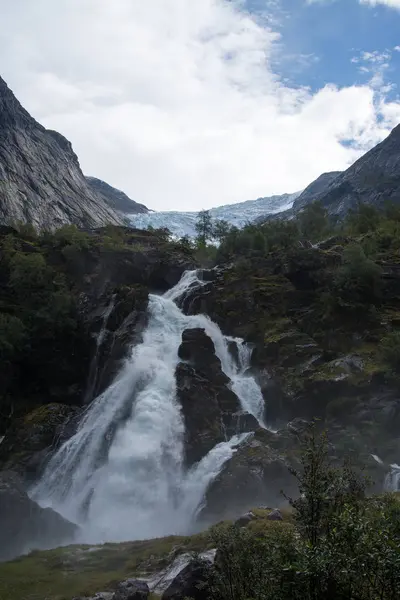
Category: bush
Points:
column 342, row 545
column 313, row 222
column 358, row 282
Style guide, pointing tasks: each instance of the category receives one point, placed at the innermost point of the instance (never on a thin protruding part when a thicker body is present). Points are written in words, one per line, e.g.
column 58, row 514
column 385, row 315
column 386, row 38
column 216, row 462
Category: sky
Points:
column 190, row 104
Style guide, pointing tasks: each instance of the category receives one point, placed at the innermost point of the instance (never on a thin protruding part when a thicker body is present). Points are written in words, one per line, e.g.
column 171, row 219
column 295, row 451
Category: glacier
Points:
column 183, row 223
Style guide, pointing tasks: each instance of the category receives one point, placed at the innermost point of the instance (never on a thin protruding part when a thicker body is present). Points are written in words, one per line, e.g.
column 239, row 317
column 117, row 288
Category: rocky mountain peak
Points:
column 41, row 181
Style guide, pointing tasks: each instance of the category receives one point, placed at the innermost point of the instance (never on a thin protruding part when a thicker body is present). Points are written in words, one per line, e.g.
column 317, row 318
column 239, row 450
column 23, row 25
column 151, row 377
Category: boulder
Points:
column 245, row 519
column 24, row 525
column 191, row 582
column 132, row 589
column 275, row 515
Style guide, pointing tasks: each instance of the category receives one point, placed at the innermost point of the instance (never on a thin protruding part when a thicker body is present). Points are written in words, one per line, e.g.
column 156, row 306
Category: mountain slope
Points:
column 41, row 181
column 116, row 199
column 183, row 223
column 315, row 189
column 373, row 179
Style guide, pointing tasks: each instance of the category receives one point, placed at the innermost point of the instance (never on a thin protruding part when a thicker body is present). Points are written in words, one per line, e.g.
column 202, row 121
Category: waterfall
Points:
column 122, row 475
column 392, row 479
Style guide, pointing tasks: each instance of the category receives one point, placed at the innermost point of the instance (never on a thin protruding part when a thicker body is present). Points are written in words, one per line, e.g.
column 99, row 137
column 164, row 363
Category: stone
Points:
column 275, row 515
column 132, row 589
column 245, row 519
column 24, row 525
column 191, row 582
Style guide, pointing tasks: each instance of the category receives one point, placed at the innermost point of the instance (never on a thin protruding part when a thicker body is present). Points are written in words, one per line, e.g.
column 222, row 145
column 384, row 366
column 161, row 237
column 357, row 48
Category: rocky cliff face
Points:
column 41, row 182
column 116, row 199
column 373, row 179
column 316, row 189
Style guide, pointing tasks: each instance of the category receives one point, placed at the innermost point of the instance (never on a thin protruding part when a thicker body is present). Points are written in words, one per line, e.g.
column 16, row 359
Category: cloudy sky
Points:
column 189, row 104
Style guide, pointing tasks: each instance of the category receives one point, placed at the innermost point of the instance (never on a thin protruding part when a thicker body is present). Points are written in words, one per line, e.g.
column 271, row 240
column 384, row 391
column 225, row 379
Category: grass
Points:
column 83, row 570
column 74, row 571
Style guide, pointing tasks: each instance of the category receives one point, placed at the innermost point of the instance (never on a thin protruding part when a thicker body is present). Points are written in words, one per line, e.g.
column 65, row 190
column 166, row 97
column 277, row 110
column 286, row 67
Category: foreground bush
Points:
column 340, row 546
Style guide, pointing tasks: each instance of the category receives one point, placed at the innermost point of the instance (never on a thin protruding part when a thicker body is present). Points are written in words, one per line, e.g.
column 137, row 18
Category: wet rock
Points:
column 28, row 443
column 211, row 410
column 254, row 476
column 132, row 589
column 24, row 525
column 190, row 583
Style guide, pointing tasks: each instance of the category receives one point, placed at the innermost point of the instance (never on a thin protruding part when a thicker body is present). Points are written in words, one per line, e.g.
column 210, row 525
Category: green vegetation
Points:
column 340, row 544
column 75, row 571
column 45, row 346
column 333, row 543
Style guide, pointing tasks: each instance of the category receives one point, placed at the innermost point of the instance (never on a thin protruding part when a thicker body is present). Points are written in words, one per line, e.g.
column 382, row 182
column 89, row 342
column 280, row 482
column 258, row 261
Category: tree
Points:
column 313, row 221
column 358, row 282
column 204, row 227
column 221, row 229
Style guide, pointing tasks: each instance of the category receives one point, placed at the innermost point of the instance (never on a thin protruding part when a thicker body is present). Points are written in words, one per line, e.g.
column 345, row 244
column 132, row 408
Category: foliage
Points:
column 313, row 221
column 204, row 227
column 342, row 545
column 358, row 282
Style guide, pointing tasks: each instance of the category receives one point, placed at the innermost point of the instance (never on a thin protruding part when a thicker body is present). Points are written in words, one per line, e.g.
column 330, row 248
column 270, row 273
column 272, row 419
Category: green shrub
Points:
column 341, row 546
column 358, row 282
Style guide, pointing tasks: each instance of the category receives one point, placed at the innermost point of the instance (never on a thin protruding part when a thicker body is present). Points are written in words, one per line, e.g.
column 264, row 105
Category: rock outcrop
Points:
column 116, row 199
column 373, row 179
column 211, row 411
column 41, row 182
column 24, row 525
column 191, row 582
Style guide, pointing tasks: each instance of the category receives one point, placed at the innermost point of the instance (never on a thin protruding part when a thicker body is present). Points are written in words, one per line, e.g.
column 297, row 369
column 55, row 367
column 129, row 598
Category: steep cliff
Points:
column 41, row 182
column 116, row 199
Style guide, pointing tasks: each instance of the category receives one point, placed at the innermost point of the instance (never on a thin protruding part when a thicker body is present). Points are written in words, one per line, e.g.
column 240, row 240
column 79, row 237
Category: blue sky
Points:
column 190, row 104
column 322, row 40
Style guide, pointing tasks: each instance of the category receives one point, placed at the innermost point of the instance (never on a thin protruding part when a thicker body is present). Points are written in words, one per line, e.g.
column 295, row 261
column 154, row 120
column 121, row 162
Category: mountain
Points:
column 116, row 199
column 41, row 181
column 183, row 223
column 315, row 189
column 372, row 179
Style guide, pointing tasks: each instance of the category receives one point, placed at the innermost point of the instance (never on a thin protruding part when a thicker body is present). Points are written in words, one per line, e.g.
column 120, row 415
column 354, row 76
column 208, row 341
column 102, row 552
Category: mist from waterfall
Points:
column 122, row 475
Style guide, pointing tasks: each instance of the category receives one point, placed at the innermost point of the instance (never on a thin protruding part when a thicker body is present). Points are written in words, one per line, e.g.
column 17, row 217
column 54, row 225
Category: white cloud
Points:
column 390, row 3
column 176, row 101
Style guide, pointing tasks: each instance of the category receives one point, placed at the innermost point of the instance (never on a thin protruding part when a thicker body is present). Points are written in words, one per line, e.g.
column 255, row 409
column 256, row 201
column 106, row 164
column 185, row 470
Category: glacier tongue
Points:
column 183, row 223
column 122, row 475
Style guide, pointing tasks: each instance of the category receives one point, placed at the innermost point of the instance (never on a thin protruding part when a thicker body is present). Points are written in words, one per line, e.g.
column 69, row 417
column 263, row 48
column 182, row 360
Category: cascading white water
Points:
column 121, row 476
column 392, row 479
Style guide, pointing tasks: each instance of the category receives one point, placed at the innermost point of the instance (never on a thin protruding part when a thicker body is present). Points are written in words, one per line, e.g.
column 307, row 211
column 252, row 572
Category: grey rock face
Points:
column 373, row 179
column 41, row 181
column 314, row 191
column 116, row 199
column 24, row 525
